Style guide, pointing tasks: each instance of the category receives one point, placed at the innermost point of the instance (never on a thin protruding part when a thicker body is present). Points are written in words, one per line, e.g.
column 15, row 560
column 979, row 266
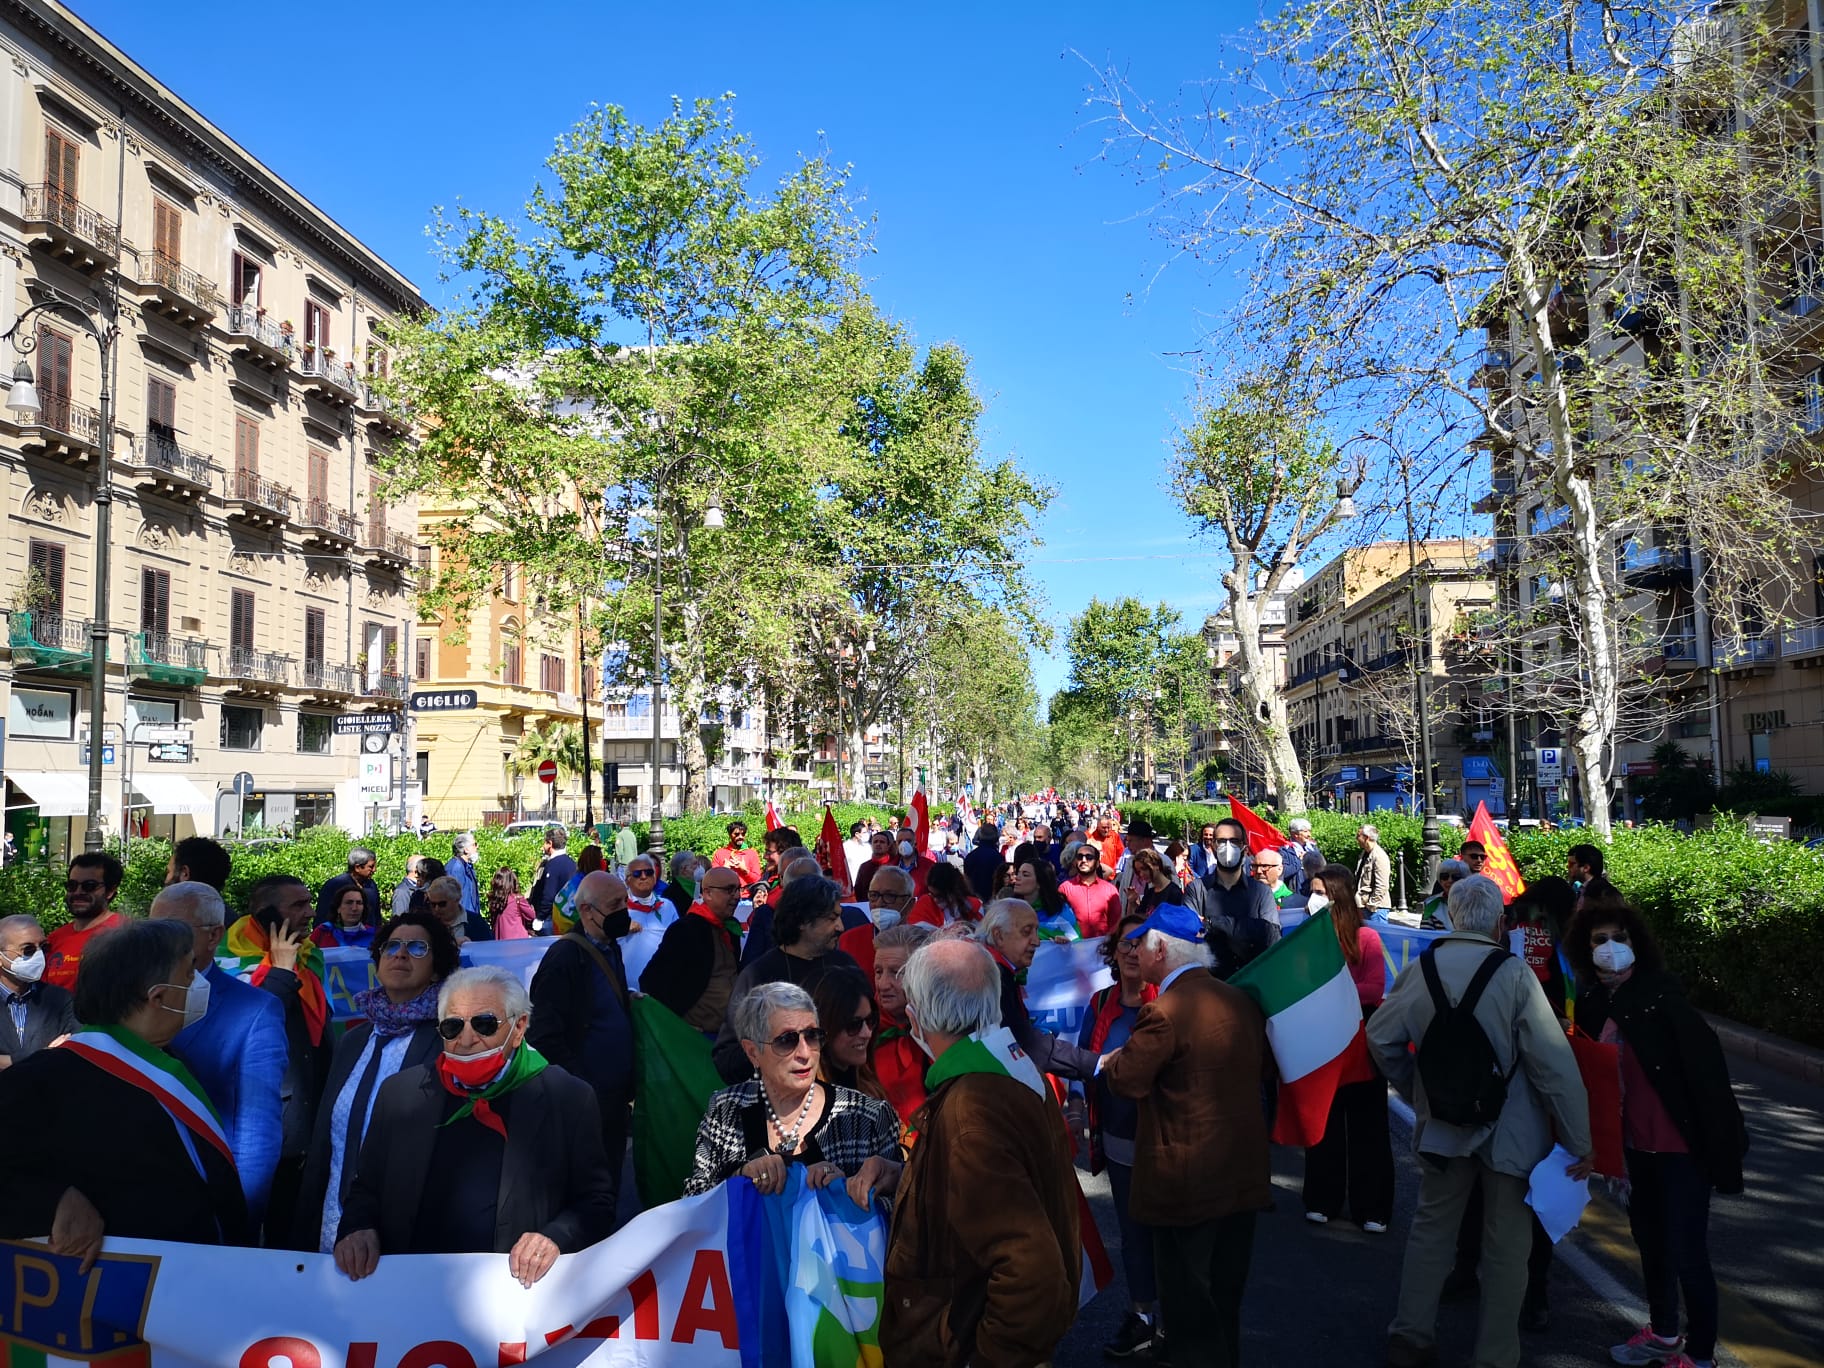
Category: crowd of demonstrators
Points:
column 886, row 1046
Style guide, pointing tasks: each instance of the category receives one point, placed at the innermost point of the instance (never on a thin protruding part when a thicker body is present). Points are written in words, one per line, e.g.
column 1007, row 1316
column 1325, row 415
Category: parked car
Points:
column 528, row 828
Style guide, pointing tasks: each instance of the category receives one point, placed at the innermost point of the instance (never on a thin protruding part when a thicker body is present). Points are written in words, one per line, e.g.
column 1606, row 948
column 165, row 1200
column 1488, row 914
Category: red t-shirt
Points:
column 63, row 949
column 744, row 862
column 1096, row 904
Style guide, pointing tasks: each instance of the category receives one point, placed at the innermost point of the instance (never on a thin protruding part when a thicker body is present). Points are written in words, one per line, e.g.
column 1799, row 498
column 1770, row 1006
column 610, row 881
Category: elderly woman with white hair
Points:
column 785, row 1115
column 486, row 1149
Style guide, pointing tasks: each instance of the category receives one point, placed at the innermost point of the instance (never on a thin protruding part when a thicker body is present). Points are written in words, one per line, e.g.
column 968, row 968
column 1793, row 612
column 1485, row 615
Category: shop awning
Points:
column 172, row 795
column 58, row 793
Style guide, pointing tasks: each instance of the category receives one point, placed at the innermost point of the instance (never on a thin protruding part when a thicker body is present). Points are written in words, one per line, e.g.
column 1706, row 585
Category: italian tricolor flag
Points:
column 1314, row 1025
column 998, row 1052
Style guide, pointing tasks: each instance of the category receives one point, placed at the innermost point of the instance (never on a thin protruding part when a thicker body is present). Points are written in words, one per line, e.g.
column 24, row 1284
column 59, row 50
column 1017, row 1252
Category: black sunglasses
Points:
column 1088, row 855
column 417, row 949
column 81, row 885
column 856, row 1025
column 485, row 1024
column 787, row 1041
column 642, row 874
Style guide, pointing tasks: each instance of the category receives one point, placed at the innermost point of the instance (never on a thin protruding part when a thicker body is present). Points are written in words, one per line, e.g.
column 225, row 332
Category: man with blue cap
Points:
column 1195, row 1063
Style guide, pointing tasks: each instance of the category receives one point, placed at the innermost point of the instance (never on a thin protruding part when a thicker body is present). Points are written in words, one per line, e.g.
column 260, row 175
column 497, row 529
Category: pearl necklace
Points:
column 788, row 1140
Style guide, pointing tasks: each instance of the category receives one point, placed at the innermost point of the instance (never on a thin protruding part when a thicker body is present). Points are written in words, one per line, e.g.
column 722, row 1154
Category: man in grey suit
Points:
column 37, row 1014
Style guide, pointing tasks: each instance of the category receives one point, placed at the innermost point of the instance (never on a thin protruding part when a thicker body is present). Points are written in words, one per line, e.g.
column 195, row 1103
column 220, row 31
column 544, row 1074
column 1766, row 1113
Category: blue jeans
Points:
column 1136, row 1240
column 1669, row 1210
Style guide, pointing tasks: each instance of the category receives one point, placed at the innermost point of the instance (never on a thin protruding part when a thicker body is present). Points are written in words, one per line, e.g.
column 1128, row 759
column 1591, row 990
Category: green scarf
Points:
column 526, row 1064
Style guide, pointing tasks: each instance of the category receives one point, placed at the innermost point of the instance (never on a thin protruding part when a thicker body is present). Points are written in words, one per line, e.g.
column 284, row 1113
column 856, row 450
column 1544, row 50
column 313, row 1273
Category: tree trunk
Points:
column 1261, row 696
column 1591, row 729
column 691, row 694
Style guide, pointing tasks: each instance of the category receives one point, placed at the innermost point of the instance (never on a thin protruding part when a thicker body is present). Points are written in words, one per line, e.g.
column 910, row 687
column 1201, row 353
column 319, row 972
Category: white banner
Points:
column 1063, row 977
column 671, row 1288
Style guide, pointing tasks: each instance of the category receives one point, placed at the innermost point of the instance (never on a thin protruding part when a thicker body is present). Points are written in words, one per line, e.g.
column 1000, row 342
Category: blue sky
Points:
column 965, row 127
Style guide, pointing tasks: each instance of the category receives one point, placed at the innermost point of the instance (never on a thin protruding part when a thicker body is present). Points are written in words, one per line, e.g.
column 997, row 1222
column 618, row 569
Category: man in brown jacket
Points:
column 1194, row 1063
column 986, row 1255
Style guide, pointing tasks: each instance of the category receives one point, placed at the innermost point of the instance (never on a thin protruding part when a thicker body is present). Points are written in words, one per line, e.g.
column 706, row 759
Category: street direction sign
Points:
column 547, row 771
column 170, row 752
column 357, row 724
column 443, row 700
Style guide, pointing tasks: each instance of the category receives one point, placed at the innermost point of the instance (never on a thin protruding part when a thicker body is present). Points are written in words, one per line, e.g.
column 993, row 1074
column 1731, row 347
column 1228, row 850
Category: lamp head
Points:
column 22, row 398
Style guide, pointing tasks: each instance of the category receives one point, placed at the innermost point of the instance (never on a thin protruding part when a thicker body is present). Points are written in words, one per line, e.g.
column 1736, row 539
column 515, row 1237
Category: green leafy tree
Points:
column 1612, row 195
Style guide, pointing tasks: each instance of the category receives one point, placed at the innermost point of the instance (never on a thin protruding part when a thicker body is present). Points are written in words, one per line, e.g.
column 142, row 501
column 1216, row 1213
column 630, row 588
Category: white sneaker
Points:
column 1317, row 1218
column 1375, row 1227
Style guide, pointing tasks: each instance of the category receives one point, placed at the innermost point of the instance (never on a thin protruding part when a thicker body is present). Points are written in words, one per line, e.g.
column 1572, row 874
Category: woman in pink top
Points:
column 1354, row 1160
column 508, row 910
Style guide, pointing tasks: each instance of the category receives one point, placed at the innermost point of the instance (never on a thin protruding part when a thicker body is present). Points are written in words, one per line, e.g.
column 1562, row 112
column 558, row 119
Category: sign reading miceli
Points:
column 443, row 700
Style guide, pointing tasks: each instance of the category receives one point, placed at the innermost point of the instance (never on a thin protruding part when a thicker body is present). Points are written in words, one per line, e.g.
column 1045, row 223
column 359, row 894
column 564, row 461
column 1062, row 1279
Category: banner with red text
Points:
column 696, row 1282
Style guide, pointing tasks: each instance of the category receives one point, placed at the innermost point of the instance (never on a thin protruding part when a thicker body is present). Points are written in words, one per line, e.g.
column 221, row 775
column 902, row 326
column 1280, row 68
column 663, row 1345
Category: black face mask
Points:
column 617, row 924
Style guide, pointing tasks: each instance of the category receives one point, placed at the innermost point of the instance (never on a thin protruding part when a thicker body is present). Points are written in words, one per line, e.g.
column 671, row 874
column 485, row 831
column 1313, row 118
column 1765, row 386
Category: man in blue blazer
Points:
column 237, row 1051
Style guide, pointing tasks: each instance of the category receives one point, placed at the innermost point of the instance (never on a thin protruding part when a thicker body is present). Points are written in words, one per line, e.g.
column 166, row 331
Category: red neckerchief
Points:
column 730, row 928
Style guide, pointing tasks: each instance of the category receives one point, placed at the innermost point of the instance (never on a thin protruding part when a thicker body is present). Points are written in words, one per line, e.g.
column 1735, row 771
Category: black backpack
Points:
column 1464, row 1085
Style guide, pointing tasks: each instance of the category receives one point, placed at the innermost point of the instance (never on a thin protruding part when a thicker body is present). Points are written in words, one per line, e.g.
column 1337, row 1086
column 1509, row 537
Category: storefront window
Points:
column 313, row 733
column 241, row 727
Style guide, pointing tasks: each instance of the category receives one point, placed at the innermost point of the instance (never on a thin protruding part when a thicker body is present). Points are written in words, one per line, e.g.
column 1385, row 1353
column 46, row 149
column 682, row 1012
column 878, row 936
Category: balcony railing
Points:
column 1803, row 638
column 327, row 373
column 251, row 488
column 383, row 409
column 260, row 335
column 176, row 279
column 161, row 452
column 386, row 684
column 166, row 659
column 328, row 521
column 1742, row 651
column 61, row 422
column 70, row 218
column 249, row 666
column 322, row 677
column 1646, row 562
column 48, row 640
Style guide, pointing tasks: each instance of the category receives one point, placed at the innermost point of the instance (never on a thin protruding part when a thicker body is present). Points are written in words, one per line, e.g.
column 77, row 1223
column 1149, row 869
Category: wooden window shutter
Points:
column 313, row 635
column 246, row 445
column 46, row 560
column 154, row 601
column 319, row 475
column 167, row 230
column 60, row 163
column 240, row 620
column 161, row 407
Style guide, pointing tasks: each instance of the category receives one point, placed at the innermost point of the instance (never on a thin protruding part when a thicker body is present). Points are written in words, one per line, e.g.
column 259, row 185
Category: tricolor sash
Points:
column 119, row 1052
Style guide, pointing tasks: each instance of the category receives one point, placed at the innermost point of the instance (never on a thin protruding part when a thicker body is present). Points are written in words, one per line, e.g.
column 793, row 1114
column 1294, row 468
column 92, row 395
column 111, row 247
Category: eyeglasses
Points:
column 1603, row 938
column 485, row 1024
column 417, row 949
column 1127, row 947
column 787, row 1041
column 889, row 897
column 81, row 885
column 27, row 950
column 1083, row 855
column 642, row 874
column 731, row 889
column 440, row 902
column 856, row 1025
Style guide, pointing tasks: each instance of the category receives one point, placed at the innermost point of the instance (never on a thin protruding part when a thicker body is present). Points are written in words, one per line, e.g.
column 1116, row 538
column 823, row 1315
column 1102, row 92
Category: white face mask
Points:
column 918, row 1036
column 1317, row 904
column 1613, row 957
column 1228, row 854
column 196, row 999
column 906, row 850
column 883, row 917
column 27, row 970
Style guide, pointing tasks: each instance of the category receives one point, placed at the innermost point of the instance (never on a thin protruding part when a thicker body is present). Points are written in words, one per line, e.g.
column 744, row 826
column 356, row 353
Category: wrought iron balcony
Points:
column 327, row 525
column 42, row 640
column 178, row 292
column 162, row 466
column 63, row 430
column 166, row 659
column 385, row 549
column 381, row 411
column 70, row 228
column 259, row 501
column 256, row 338
column 386, row 684
column 254, row 671
column 327, row 377
column 332, row 681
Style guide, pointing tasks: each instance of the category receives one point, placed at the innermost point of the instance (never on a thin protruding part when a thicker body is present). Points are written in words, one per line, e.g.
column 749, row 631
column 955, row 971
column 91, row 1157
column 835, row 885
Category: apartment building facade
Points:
column 257, row 588
column 1352, row 680
column 1227, row 743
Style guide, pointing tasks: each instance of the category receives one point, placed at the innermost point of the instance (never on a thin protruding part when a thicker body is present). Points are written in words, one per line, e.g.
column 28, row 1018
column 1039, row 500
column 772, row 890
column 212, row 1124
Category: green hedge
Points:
column 1740, row 921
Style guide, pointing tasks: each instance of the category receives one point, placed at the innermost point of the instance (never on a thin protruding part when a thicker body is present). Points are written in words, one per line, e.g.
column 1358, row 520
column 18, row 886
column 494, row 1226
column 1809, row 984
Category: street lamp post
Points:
column 22, row 399
column 712, row 518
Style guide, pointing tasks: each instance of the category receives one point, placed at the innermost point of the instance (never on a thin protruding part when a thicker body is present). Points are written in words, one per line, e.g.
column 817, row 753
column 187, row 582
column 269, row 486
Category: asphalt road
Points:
column 1324, row 1294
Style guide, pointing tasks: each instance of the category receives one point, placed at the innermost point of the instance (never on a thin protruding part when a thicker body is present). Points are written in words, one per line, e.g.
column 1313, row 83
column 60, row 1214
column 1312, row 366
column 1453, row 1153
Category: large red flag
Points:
column 1500, row 864
column 835, row 858
column 921, row 821
column 1261, row 834
column 772, row 816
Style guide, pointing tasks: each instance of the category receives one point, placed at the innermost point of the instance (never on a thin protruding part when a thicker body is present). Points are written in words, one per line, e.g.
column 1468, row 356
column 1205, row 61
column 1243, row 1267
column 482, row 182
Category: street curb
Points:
column 1800, row 1062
